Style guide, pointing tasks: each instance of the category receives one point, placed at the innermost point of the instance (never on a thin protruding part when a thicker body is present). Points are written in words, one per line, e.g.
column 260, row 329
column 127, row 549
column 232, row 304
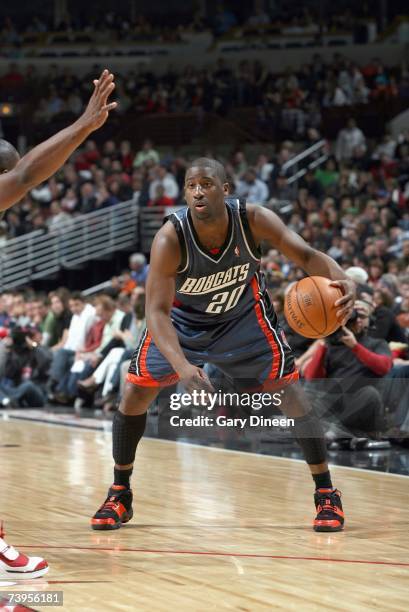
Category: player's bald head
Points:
column 216, row 167
column 9, row 156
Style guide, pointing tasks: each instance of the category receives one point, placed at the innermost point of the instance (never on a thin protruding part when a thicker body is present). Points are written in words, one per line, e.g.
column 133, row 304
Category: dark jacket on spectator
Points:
column 371, row 358
column 386, row 326
column 30, row 363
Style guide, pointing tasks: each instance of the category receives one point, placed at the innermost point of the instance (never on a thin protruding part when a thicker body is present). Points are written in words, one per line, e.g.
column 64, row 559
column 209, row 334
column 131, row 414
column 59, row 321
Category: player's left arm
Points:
column 266, row 225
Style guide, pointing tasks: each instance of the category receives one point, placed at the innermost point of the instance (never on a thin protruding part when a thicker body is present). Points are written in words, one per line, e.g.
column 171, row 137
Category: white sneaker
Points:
column 16, row 566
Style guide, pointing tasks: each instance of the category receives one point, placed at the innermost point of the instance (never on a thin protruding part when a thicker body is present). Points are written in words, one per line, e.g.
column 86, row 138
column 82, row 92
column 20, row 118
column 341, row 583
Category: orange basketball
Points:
column 309, row 307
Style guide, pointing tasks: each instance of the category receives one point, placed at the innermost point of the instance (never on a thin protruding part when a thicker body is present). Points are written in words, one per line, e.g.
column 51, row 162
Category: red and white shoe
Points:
column 6, row 606
column 16, row 566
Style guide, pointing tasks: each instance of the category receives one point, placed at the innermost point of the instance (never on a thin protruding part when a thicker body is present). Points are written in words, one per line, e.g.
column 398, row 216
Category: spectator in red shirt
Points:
column 126, row 156
column 160, row 198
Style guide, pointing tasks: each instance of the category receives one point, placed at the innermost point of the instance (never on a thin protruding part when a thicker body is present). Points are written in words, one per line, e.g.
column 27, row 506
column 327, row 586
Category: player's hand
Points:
column 98, row 107
column 195, row 379
column 345, row 304
column 348, row 338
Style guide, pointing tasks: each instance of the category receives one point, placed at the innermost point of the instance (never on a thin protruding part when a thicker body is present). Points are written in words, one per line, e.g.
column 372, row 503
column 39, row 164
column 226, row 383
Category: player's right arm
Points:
column 46, row 158
column 160, row 293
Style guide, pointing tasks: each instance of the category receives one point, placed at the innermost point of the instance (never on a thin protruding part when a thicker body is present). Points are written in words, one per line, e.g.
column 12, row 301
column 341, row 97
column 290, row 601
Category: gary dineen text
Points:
column 223, row 421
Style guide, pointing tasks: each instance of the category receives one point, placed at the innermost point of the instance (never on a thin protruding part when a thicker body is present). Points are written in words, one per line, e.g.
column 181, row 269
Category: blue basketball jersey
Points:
column 213, row 288
column 222, row 313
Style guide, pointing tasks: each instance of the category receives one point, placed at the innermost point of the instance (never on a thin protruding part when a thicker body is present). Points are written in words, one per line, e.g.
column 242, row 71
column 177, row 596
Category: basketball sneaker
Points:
column 16, row 566
column 7, row 606
column 330, row 516
column 116, row 509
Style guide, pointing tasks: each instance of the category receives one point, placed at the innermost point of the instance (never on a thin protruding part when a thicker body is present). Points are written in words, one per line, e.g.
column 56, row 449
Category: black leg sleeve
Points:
column 309, row 434
column 126, row 433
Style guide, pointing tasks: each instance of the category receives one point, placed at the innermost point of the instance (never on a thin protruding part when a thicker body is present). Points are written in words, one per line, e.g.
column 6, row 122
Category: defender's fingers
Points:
column 109, row 107
column 106, row 89
column 98, row 82
column 105, row 92
column 108, row 78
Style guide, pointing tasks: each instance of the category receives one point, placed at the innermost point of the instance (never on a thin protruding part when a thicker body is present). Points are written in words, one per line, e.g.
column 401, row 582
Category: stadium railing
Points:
column 40, row 254
column 309, row 159
column 151, row 220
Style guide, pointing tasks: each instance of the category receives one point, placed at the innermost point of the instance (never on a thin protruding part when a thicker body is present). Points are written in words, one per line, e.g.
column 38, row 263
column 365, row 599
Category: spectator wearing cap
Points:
column 357, row 274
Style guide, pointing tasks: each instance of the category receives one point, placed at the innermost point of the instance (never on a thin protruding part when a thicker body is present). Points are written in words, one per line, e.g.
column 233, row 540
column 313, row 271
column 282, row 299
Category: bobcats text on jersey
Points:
column 220, row 280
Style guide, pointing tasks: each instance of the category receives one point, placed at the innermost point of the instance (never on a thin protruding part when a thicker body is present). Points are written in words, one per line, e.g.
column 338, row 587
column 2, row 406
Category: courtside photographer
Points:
column 26, row 370
column 349, row 364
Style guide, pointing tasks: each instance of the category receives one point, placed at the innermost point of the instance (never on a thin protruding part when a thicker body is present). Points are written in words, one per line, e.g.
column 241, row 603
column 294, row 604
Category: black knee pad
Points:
column 126, row 433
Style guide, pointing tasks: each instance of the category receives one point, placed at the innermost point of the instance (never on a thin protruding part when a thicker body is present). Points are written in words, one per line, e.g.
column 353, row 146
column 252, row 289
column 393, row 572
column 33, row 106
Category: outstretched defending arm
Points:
column 46, row 158
column 266, row 225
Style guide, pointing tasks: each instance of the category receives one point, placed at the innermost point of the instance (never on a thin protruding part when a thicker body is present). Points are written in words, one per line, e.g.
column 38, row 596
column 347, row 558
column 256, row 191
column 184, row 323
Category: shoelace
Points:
column 327, row 504
column 110, row 503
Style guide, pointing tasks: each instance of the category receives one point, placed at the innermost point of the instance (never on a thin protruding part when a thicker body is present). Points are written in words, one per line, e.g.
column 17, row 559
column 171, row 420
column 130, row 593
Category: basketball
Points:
column 309, row 307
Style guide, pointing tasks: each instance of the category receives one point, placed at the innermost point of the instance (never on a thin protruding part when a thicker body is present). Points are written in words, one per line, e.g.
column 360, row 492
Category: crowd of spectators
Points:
column 50, row 343
column 294, row 97
column 63, row 348
column 355, row 206
column 283, row 18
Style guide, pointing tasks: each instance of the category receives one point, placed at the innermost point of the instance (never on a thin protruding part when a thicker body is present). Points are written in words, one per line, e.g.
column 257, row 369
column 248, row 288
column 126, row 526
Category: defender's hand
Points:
column 346, row 303
column 194, row 378
column 98, row 107
column 348, row 338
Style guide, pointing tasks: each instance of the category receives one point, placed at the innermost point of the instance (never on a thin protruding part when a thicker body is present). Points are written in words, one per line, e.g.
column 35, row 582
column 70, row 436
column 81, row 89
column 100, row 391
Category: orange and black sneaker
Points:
column 116, row 509
column 330, row 516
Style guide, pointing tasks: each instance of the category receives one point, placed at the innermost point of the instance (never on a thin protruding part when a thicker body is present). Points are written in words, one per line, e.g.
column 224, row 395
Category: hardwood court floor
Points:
column 213, row 530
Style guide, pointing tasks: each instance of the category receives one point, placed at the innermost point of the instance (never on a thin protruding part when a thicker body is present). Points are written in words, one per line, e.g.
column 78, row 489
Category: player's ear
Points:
column 226, row 188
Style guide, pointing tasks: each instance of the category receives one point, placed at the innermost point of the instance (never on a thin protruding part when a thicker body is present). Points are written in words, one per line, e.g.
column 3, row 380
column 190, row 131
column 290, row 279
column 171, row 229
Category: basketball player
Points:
column 206, row 302
column 17, row 177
